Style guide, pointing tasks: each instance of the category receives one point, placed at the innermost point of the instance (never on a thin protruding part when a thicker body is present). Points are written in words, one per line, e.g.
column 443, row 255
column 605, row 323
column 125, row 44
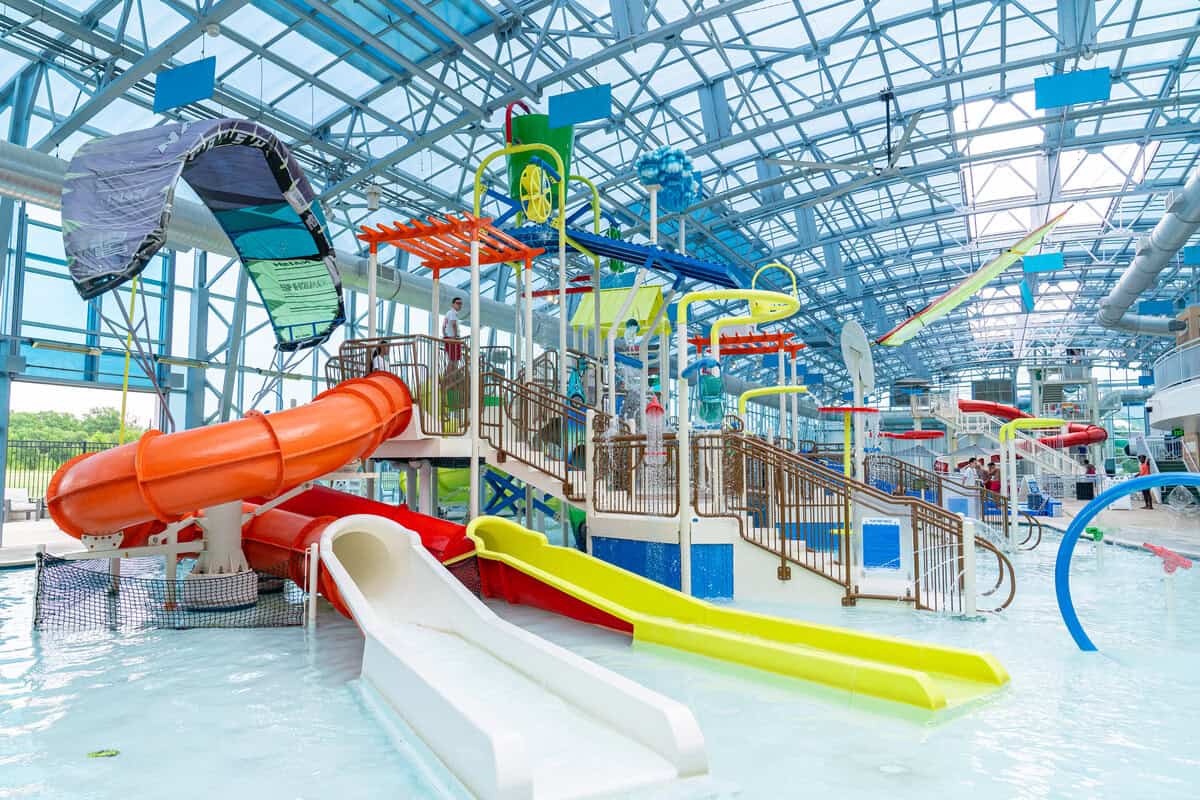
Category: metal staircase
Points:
column 1049, row 459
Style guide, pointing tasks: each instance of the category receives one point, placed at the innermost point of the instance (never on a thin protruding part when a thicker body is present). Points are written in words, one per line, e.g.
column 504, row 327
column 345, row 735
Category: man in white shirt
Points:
column 450, row 331
column 968, row 473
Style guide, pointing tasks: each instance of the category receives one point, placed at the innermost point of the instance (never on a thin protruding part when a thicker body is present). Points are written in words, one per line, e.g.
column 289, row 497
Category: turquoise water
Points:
column 273, row 713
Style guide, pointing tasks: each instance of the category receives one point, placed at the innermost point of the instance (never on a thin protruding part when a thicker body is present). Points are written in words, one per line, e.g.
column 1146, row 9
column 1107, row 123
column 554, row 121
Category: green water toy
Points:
column 1094, row 533
column 104, row 754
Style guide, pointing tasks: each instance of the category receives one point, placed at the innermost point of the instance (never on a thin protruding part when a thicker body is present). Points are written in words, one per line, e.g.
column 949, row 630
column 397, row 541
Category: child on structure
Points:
column 450, row 332
column 968, row 474
column 379, row 362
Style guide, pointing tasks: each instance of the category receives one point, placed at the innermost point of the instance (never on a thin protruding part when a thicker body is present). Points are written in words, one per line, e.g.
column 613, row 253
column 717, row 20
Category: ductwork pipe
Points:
column 37, row 178
column 1154, row 252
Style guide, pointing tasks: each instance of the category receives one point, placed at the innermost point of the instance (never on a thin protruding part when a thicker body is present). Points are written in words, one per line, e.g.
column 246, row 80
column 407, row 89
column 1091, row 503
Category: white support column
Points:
column 426, row 498
column 685, row 467
column 781, row 428
column 653, row 190
column 372, row 292
column 314, row 570
column 682, row 235
column 528, row 321
column 475, row 394
column 410, row 487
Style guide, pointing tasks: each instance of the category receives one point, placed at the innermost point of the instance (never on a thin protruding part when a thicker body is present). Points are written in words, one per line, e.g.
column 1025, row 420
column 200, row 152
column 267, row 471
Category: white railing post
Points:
column 968, row 565
column 314, row 567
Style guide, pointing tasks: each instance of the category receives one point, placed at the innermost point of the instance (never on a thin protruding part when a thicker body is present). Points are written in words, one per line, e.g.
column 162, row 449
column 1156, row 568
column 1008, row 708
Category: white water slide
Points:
column 511, row 715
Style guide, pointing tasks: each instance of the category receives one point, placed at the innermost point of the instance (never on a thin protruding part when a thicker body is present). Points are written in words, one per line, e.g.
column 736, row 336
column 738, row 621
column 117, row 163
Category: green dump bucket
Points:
column 535, row 129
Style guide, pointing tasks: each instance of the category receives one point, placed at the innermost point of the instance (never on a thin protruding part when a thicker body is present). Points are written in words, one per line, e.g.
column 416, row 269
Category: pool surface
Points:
column 274, row 713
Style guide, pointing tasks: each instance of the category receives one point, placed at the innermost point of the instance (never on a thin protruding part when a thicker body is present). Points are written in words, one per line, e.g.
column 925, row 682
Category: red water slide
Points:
column 1078, row 433
column 140, row 487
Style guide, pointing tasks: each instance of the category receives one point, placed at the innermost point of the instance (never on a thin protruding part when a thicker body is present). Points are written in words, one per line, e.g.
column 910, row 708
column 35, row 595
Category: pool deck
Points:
column 21, row 540
column 1161, row 526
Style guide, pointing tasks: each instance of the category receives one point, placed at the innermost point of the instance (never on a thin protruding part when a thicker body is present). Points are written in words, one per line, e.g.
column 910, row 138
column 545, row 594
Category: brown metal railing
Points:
column 437, row 372
column 904, row 477
column 545, row 373
column 536, row 427
column 800, row 510
column 622, row 481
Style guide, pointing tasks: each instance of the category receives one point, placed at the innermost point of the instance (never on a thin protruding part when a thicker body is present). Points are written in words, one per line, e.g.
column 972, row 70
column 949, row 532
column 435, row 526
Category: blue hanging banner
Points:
column 1191, row 255
column 1047, row 262
column 1145, row 380
column 583, row 105
column 814, row 379
column 1080, row 86
column 847, row 397
column 1026, row 296
column 1163, row 308
column 185, row 84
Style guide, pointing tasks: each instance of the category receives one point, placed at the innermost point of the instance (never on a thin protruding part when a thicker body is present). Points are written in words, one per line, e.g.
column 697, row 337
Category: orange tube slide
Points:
column 166, row 477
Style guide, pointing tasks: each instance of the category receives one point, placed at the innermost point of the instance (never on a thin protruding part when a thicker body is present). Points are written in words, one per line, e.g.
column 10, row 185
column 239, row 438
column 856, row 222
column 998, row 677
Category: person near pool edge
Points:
column 1144, row 469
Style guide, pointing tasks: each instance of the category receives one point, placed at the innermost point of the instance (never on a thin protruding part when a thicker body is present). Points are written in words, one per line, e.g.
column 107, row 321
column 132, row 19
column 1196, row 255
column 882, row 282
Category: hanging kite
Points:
column 118, row 198
column 959, row 294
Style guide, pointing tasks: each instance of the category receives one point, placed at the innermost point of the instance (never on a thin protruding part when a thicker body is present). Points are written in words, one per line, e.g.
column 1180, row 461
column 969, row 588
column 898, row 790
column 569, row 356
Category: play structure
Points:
column 614, row 434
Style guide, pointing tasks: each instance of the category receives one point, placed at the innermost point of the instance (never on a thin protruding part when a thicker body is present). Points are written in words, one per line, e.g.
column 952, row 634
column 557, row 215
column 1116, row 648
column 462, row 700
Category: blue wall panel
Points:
column 657, row 561
column 712, row 564
column 712, row 570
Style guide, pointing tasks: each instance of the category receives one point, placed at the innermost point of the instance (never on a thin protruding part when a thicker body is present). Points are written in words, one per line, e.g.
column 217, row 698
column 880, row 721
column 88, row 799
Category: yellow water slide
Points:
column 521, row 565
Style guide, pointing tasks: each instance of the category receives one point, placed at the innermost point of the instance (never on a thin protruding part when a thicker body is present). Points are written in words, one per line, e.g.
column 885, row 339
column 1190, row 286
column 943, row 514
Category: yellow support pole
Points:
column 847, row 443
column 128, row 346
column 766, row 390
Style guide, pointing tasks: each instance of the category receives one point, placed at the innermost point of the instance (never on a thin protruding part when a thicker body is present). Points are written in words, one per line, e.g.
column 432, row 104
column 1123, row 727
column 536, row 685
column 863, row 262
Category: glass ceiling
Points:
column 411, row 96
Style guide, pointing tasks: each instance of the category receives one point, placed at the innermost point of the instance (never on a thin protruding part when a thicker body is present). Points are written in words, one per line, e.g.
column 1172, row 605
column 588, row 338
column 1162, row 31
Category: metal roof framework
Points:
column 409, row 96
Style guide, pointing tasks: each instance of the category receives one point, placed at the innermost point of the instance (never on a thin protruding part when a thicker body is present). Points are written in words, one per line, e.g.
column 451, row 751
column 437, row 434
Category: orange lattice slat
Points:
column 445, row 242
column 750, row 344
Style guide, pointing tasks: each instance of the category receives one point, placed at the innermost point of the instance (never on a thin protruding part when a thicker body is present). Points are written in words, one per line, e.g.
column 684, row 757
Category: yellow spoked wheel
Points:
column 535, row 193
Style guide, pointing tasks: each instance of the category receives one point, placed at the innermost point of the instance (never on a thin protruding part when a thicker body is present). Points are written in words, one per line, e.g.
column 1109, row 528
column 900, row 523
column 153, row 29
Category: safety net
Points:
column 75, row 595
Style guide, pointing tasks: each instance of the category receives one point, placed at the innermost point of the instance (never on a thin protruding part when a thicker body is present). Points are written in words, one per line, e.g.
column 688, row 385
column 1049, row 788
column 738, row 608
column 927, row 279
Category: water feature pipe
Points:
column 1008, row 463
column 1066, row 548
column 1154, row 252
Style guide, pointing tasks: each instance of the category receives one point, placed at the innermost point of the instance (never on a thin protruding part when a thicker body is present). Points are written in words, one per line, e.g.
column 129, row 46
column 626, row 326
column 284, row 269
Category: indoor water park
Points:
column 598, row 399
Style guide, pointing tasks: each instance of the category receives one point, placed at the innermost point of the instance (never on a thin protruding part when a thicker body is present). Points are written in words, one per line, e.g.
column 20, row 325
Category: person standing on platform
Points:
column 450, row 332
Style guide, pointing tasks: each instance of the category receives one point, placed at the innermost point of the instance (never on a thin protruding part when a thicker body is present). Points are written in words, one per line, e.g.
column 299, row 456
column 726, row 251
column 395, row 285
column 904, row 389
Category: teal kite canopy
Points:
column 119, row 193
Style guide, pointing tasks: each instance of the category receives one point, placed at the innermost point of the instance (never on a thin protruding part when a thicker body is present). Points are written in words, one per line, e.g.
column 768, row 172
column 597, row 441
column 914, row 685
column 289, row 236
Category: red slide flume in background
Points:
column 1078, row 433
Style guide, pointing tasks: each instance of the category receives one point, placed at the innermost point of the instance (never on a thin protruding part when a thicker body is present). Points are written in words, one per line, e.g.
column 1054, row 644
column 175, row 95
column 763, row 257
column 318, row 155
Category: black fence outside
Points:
column 31, row 463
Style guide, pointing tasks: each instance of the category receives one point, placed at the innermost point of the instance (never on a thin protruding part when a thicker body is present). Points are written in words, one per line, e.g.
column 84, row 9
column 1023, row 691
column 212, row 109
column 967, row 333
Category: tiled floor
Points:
column 20, row 541
column 1169, row 526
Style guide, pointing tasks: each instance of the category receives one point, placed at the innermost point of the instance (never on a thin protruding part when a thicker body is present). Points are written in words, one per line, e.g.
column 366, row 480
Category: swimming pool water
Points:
column 274, row 713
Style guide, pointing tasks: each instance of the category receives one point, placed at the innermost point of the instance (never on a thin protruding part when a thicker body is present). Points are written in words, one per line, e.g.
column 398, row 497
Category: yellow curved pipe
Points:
column 764, row 307
column 1008, row 429
column 776, row 265
column 525, row 148
column 763, row 390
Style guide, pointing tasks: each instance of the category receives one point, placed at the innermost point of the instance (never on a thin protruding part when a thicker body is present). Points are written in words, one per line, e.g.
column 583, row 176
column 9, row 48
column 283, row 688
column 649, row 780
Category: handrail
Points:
column 535, row 427
column 1188, row 356
column 777, row 496
column 878, row 465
